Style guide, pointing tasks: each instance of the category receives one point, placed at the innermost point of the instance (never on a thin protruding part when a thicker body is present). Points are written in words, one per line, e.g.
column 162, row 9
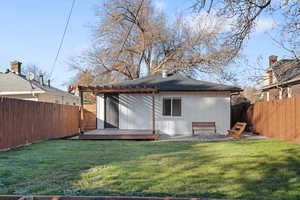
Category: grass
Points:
column 266, row 169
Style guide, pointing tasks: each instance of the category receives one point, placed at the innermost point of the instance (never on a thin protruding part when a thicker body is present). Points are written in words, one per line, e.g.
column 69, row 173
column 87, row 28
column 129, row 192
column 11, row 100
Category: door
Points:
column 111, row 111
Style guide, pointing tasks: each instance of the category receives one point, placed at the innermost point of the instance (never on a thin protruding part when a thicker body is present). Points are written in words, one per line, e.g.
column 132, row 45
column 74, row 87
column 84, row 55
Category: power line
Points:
column 128, row 33
column 63, row 37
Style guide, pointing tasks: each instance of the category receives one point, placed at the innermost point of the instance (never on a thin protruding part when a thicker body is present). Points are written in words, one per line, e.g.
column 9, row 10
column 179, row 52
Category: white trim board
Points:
column 25, row 92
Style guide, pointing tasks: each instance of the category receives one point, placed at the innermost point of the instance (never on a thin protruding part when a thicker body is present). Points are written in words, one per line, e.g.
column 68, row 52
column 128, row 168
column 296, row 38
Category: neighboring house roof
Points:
column 11, row 83
column 286, row 71
column 176, row 82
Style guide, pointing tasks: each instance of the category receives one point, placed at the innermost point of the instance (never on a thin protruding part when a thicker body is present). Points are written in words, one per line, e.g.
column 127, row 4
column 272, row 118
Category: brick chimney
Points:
column 15, row 66
column 272, row 60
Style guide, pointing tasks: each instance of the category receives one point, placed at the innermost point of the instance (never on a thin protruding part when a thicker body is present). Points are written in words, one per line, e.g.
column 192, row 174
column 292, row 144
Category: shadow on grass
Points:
column 243, row 169
column 267, row 175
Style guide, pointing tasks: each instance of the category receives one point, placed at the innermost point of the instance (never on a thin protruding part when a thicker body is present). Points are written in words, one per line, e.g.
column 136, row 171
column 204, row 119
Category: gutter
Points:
column 277, row 85
column 26, row 92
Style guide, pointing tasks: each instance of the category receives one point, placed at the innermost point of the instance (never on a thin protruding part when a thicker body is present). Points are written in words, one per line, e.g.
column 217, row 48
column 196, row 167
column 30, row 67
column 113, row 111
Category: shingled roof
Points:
column 176, row 82
column 11, row 82
column 286, row 69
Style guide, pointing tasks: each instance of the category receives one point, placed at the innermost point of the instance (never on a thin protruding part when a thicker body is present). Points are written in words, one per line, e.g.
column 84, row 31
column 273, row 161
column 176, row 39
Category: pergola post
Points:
column 153, row 113
column 81, row 117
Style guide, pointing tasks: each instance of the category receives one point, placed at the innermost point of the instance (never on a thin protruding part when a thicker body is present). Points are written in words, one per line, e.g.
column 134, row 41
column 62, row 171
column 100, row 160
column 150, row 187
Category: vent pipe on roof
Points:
column 164, row 73
column 41, row 79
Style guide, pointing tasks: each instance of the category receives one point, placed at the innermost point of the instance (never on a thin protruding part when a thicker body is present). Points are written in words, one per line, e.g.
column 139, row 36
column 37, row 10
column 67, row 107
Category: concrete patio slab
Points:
column 163, row 137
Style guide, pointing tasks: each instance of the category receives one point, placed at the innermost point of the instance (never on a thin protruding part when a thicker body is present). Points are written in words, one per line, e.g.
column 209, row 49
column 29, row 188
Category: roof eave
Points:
column 62, row 94
column 21, row 92
column 289, row 82
column 229, row 91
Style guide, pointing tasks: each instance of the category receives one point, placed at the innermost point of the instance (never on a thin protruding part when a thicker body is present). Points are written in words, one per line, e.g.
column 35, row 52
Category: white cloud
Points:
column 159, row 4
column 264, row 24
column 208, row 22
column 80, row 49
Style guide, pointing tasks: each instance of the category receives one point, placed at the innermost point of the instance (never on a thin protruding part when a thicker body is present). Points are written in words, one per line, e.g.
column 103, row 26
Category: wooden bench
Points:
column 204, row 126
column 237, row 130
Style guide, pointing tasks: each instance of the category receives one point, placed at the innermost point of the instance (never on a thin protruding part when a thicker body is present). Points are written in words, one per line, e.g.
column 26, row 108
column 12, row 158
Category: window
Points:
column 167, row 107
column 176, row 107
column 172, row 106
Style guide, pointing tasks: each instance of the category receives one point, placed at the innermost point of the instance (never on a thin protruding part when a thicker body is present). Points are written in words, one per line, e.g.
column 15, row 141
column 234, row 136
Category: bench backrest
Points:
column 203, row 124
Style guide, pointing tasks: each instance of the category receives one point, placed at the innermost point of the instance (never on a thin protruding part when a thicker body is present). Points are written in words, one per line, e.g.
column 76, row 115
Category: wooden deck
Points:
column 119, row 137
column 118, row 134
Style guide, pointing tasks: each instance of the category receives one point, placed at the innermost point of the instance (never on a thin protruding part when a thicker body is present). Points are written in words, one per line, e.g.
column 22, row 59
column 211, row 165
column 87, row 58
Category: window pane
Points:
column 167, row 107
column 176, row 107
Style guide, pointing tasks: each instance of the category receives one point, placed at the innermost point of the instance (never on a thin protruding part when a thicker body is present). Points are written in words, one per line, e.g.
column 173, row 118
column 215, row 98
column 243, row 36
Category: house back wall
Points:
column 135, row 112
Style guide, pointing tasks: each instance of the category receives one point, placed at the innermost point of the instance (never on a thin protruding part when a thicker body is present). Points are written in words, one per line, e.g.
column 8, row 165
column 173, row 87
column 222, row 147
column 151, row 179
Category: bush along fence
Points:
column 23, row 122
column 276, row 119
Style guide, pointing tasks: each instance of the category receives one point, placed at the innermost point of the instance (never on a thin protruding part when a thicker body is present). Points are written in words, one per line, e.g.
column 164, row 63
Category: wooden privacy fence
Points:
column 23, row 122
column 276, row 119
column 89, row 119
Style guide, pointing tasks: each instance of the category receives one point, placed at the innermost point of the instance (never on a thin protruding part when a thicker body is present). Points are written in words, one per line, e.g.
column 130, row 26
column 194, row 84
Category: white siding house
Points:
column 175, row 110
column 13, row 84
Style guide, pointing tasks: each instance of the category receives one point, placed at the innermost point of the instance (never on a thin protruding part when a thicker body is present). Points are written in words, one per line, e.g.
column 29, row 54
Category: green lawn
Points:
column 243, row 169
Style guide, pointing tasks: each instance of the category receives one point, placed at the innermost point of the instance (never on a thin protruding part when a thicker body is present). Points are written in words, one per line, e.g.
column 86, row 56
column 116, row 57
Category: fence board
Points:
column 280, row 114
column 297, row 123
column 89, row 119
column 23, row 122
column 276, row 119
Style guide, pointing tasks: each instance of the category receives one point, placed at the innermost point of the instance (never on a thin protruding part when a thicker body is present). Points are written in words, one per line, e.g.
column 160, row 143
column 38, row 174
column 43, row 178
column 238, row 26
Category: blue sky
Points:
column 31, row 31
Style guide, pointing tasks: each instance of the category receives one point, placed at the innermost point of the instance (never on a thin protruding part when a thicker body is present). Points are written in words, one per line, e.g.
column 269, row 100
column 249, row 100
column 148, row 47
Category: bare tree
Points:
column 131, row 37
column 251, row 93
column 290, row 30
column 36, row 70
column 244, row 15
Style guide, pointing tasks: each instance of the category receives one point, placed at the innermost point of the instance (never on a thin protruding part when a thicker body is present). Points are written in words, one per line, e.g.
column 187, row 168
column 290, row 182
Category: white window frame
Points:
column 162, row 105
